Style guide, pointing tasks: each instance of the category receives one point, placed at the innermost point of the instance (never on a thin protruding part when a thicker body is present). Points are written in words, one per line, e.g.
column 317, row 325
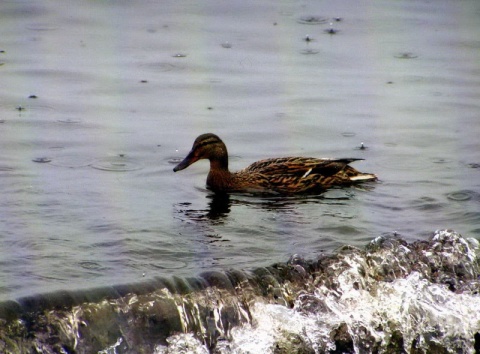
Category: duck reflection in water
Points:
column 220, row 204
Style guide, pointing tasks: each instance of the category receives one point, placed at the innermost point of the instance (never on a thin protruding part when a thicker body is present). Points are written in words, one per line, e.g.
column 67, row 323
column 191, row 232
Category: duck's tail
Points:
column 356, row 176
column 363, row 177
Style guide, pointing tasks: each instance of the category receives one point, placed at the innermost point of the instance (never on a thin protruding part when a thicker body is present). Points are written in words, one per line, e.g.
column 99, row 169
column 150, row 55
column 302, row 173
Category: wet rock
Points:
column 342, row 339
column 307, row 303
column 396, row 343
column 96, row 325
column 292, row 343
column 477, row 342
column 366, row 341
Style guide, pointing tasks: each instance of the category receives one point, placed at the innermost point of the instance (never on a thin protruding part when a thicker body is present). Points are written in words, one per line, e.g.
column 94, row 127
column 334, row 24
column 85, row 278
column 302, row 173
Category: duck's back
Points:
column 298, row 166
column 299, row 174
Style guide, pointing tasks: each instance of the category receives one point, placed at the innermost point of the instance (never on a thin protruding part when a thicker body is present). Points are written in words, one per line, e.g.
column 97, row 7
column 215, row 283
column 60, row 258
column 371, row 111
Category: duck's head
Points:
column 206, row 146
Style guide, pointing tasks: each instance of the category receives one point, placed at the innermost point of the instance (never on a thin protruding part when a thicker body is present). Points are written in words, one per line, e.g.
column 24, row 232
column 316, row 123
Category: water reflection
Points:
column 219, row 206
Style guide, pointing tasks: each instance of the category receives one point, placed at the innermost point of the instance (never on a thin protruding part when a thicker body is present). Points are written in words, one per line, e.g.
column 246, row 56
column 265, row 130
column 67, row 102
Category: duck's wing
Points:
column 299, row 174
column 299, row 166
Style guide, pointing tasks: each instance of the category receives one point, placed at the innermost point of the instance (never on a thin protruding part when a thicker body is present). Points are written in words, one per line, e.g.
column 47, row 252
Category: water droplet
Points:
column 331, row 30
column 362, row 146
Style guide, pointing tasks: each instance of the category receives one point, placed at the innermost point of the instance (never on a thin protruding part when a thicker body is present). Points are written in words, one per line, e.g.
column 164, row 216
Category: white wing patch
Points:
column 307, row 173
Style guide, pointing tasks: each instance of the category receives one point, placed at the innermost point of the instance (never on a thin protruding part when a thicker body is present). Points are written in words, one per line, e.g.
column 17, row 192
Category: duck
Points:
column 283, row 175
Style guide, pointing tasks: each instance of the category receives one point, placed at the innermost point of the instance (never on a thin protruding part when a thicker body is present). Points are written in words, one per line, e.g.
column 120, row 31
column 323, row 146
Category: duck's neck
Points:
column 219, row 178
column 219, row 164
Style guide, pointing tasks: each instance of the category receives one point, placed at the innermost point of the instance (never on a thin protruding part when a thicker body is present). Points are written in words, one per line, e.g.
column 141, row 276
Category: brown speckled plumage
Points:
column 285, row 175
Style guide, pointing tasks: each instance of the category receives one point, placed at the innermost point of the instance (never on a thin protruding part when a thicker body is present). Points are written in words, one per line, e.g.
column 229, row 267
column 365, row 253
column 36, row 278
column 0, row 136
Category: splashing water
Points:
column 391, row 297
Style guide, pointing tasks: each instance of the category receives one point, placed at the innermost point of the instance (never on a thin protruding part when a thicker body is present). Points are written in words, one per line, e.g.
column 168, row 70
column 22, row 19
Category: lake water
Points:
column 100, row 100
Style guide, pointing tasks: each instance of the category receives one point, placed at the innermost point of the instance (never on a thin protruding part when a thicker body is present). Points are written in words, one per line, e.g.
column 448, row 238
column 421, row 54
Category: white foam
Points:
column 412, row 306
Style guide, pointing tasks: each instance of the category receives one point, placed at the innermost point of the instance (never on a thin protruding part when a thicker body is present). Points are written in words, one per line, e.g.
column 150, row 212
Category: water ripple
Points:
column 119, row 163
column 406, row 55
column 312, row 20
column 463, row 195
column 71, row 161
column 426, row 204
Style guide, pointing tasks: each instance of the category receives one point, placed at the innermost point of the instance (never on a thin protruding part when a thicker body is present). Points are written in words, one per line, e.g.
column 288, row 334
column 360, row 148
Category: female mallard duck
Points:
column 285, row 175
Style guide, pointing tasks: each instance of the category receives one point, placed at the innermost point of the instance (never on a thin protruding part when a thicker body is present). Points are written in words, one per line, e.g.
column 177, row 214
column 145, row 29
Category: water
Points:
column 99, row 101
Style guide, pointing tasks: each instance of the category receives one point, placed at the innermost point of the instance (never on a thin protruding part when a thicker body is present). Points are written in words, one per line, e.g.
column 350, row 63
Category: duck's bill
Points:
column 187, row 161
